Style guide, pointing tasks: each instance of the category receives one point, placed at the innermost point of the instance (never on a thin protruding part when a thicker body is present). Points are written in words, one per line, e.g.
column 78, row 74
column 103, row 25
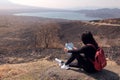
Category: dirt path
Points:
column 106, row 24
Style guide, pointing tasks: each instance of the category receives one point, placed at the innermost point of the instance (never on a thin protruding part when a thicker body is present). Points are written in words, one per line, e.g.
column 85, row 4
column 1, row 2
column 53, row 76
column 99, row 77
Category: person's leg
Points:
column 72, row 58
column 74, row 65
column 82, row 63
column 66, row 65
column 86, row 64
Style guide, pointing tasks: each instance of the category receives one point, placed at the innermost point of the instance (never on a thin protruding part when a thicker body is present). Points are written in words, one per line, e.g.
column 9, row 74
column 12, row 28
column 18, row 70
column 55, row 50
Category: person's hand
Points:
column 65, row 49
column 75, row 48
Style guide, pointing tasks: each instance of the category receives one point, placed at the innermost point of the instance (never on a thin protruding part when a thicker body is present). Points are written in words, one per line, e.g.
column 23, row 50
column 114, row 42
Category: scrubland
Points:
column 28, row 46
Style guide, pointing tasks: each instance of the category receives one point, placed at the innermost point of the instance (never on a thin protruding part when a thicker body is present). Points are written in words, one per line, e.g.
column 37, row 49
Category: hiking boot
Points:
column 60, row 62
column 65, row 67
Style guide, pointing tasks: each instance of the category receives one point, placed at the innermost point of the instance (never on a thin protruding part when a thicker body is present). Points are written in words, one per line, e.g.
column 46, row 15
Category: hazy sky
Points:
column 66, row 4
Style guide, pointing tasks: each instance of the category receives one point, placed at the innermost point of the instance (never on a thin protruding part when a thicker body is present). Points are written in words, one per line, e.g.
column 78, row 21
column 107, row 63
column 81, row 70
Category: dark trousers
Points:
column 82, row 62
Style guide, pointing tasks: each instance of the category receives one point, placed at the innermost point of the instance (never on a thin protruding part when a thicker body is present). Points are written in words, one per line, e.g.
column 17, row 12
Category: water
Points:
column 60, row 15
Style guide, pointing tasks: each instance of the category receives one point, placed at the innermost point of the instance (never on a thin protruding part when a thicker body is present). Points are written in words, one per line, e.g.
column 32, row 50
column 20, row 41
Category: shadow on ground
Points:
column 102, row 75
column 56, row 73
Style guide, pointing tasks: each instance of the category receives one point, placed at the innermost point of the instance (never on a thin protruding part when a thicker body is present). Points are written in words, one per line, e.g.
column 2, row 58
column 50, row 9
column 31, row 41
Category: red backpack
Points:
column 100, row 60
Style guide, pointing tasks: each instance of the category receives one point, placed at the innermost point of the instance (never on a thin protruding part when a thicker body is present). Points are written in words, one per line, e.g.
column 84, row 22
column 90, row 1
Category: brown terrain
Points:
column 29, row 45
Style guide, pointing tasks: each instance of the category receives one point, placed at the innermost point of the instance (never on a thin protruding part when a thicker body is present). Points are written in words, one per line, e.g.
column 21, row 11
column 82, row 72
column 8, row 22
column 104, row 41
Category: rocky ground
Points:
column 26, row 52
column 44, row 69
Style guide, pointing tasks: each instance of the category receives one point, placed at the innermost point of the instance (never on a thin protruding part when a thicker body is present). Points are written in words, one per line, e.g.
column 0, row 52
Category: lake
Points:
column 59, row 15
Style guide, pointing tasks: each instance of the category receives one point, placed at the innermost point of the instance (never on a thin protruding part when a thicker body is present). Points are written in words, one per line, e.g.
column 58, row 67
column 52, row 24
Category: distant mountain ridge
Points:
column 104, row 13
column 6, row 7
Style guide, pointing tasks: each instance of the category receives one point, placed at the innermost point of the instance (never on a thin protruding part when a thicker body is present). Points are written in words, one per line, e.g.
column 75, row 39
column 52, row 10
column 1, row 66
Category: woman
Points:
column 83, row 55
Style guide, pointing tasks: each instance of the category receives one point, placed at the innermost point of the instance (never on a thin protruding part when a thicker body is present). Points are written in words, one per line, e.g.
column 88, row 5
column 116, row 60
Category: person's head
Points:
column 87, row 38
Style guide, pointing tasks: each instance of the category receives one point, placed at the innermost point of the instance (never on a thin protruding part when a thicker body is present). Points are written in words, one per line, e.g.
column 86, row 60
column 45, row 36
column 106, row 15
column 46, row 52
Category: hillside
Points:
column 49, row 70
column 104, row 13
column 108, row 21
column 28, row 46
column 104, row 34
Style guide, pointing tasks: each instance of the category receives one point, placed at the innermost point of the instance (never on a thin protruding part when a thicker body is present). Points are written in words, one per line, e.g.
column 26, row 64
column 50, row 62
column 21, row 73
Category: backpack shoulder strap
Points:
column 91, row 45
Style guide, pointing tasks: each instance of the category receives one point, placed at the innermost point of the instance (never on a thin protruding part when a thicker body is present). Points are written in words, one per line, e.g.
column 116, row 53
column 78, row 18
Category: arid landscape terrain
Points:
column 29, row 45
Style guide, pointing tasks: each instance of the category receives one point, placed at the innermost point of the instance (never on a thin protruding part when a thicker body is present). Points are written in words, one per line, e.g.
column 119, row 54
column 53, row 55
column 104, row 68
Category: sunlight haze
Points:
column 69, row 4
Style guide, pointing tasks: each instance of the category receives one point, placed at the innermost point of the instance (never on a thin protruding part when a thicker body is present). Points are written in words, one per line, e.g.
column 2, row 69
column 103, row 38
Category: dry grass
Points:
column 7, row 71
column 24, row 71
column 49, row 70
column 21, row 36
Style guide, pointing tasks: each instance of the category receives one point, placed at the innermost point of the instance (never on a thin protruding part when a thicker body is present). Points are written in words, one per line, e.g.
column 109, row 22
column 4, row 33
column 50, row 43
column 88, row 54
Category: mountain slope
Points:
column 104, row 13
column 49, row 70
column 28, row 46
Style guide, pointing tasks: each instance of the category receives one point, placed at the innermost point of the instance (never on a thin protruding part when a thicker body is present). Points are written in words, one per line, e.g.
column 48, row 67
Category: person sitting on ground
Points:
column 83, row 55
